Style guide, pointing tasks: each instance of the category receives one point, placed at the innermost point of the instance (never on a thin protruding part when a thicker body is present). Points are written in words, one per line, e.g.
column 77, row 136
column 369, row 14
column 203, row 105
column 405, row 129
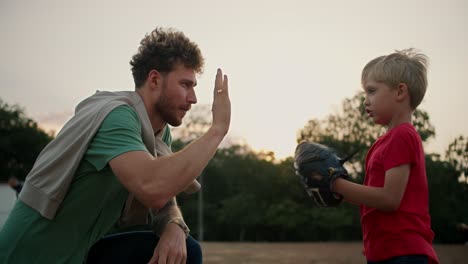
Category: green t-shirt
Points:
column 91, row 207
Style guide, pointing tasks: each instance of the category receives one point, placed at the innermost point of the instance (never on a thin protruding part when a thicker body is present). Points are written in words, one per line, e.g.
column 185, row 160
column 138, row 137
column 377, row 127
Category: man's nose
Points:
column 192, row 97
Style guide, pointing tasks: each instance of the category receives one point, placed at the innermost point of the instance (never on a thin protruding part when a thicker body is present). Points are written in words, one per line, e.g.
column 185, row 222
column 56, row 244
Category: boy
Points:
column 394, row 198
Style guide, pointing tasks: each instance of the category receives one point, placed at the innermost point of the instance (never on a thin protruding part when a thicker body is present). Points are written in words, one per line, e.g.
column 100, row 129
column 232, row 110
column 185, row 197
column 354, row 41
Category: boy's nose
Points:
column 366, row 101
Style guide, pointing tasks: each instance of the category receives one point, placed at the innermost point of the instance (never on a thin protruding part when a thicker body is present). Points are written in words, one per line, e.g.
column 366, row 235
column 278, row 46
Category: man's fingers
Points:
column 162, row 260
column 183, row 257
column 219, row 81
column 171, row 260
column 159, row 256
column 225, row 84
column 154, row 259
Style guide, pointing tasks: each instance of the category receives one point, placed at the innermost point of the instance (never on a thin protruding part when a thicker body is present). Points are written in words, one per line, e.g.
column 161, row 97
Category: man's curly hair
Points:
column 162, row 50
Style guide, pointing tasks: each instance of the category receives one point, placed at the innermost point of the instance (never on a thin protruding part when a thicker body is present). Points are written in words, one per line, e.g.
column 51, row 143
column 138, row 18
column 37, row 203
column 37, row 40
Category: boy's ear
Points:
column 402, row 91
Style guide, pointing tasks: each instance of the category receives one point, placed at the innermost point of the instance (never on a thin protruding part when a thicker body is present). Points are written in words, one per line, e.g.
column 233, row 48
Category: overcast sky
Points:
column 287, row 61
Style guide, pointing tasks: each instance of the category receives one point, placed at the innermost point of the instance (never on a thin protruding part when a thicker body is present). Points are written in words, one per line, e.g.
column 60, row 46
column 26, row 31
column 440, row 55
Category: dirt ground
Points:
column 308, row 253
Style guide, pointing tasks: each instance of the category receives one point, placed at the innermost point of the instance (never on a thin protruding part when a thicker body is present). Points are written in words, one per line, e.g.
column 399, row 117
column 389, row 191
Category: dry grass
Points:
column 307, row 253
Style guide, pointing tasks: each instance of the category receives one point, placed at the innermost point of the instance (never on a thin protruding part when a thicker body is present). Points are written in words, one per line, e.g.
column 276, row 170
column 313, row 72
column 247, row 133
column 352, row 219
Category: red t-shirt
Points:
column 407, row 231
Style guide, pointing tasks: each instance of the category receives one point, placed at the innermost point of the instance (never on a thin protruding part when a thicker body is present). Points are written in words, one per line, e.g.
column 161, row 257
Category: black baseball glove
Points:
column 318, row 167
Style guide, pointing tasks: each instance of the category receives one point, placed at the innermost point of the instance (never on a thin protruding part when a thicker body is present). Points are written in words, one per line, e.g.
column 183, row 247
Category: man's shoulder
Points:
column 106, row 100
column 123, row 116
column 123, row 110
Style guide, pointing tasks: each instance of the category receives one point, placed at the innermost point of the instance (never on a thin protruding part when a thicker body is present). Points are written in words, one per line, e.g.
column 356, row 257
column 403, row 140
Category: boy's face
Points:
column 380, row 102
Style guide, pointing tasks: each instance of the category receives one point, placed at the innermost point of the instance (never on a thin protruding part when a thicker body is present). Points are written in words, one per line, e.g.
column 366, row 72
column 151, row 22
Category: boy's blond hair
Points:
column 405, row 66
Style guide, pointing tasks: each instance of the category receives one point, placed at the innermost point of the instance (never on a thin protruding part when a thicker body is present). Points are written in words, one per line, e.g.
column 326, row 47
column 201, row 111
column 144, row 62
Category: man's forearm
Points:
column 160, row 218
column 191, row 160
column 155, row 180
column 187, row 164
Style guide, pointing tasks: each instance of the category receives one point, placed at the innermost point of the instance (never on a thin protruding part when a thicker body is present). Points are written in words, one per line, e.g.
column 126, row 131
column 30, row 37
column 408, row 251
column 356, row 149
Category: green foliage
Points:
column 457, row 155
column 447, row 199
column 21, row 141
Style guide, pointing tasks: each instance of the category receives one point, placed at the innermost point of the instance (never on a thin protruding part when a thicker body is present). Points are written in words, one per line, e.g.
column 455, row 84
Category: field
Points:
column 308, row 253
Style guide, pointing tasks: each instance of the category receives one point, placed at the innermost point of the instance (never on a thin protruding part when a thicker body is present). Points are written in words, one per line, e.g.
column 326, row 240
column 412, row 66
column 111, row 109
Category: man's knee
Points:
column 194, row 251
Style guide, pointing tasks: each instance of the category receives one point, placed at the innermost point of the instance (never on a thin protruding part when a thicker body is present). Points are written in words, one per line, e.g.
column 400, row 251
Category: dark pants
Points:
column 135, row 247
column 412, row 259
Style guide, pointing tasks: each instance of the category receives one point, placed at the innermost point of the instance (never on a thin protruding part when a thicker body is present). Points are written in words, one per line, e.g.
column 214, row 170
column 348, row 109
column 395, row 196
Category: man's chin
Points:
column 174, row 123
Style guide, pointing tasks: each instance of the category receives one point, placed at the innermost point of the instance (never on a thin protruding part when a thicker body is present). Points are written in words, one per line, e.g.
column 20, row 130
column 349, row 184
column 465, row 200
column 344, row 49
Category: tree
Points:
column 447, row 199
column 21, row 141
column 457, row 155
column 449, row 191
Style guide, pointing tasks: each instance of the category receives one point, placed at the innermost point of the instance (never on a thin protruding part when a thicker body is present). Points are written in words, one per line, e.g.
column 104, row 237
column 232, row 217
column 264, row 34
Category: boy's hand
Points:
column 318, row 167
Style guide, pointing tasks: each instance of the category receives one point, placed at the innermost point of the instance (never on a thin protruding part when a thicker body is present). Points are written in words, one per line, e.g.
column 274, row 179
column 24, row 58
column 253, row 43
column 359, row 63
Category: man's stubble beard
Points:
column 163, row 107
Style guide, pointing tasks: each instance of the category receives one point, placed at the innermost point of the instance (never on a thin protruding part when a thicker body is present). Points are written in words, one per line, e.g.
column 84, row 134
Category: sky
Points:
column 287, row 61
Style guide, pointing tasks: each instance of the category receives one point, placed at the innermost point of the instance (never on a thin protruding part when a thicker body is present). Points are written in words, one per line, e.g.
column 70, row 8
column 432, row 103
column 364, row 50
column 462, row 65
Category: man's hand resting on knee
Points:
column 171, row 248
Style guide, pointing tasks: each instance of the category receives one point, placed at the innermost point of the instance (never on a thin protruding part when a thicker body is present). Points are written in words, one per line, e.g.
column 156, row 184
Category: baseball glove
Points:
column 318, row 167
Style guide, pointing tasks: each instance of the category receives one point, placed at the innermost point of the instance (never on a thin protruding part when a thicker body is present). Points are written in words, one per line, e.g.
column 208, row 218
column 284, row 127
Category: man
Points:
column 110, row 164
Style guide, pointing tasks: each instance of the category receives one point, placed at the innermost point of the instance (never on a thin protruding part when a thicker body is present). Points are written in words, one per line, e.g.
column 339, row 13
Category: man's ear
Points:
column 154, row 79
column 402, row 91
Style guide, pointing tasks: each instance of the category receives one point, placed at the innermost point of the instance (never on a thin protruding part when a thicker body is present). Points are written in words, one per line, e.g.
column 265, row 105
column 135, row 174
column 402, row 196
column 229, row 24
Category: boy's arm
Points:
column 386, row 198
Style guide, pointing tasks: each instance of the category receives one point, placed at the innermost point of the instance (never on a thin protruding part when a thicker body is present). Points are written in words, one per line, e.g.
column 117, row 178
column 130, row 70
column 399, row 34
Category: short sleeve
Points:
column 167, row 137
column 120, row 132
column 402, row 148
